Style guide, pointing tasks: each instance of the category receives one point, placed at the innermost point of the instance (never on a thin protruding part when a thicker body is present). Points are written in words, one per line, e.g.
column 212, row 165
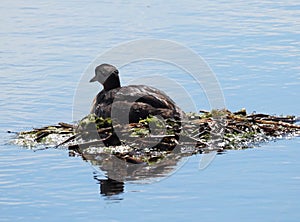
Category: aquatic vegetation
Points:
column 154, row 138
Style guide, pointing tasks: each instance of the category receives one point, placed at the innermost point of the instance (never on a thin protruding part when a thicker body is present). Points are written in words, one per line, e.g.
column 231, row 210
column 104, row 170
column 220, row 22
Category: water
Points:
column 253, row 49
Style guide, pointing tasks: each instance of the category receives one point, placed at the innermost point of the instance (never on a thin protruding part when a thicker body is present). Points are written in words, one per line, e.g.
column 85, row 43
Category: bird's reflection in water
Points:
column 109, row 187
column 118, row 171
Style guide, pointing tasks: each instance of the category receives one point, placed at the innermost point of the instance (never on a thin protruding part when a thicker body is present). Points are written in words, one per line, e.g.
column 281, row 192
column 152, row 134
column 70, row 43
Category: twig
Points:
column 87, row 144
column 42, row 135
column 280, row 123
column 66, row 125
column 67, row 140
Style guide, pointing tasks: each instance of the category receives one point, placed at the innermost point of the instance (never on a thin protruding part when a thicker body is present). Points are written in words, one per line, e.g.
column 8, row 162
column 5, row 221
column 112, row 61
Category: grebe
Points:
column 135, row 102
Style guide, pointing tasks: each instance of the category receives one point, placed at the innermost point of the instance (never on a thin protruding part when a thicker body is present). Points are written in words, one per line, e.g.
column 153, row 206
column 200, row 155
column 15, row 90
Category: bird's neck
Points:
column 112, row 82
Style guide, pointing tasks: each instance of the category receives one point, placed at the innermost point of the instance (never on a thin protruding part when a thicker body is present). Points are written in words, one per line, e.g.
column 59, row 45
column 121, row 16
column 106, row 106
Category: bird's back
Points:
column 136, row 102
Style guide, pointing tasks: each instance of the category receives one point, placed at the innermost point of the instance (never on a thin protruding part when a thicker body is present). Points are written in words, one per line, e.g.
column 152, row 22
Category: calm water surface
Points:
column 45, row 47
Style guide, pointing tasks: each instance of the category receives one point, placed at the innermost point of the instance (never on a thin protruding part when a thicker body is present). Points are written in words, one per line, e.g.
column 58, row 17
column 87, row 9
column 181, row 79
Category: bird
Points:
column 131, row 103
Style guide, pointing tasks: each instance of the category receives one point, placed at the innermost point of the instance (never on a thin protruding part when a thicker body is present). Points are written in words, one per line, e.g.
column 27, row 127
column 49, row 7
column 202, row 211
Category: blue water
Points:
column 46, row 47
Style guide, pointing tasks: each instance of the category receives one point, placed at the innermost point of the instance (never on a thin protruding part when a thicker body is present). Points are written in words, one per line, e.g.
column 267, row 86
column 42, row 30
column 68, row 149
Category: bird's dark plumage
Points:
column 130, row 103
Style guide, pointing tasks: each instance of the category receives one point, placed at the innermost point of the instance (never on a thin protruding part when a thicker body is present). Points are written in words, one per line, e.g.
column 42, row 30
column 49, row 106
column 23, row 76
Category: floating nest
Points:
column 153, row 139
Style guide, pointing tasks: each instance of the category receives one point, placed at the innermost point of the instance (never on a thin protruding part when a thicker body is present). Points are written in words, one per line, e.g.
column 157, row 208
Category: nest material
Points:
column 152, row 139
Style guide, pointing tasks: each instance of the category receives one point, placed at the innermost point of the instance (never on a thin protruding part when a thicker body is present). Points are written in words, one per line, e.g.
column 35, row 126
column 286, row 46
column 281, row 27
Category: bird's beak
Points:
column 94, row 79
